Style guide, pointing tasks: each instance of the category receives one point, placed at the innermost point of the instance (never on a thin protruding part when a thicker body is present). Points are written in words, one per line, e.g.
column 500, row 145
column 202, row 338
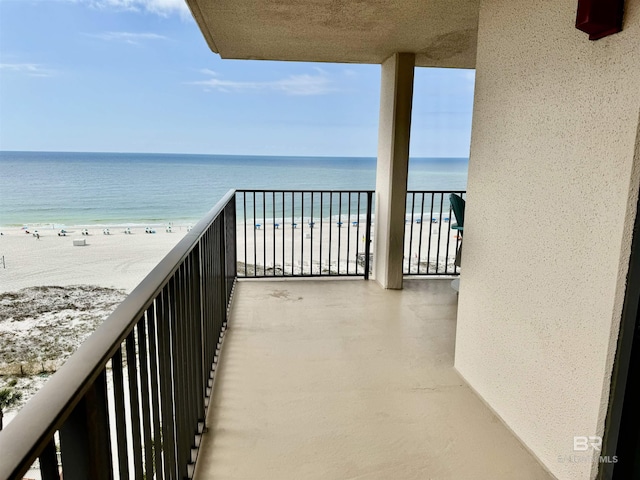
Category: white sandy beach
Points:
column 117, row 260
column 305, row 249
column 122, row 260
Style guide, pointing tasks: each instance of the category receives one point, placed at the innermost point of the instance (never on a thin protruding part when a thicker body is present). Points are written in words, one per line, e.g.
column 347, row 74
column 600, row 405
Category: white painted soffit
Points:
column 442, row 33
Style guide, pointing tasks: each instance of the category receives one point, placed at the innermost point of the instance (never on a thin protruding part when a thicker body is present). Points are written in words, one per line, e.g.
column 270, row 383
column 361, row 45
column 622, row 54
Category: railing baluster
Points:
column 367, row 247
column 84, row 437
column 244, row 216
column 330, row 227
column 420, row 237
column 273, row 226
column 358, row 234
column 255, row 244
column 49, row 462
column 118, row 391
column 155, row 391
column 302, row 234
column 413, row 204
column 264, row 233
column 165, row 333
column 321, row 224
column 197, row 335
column 144, row 394
column 177, row 354
column 284, row 222
column 348, row 230
column 132, row 373
column 190, row 378
column 430, row 233
column 292, row 233
column 439, row 234
column 312, row 228
column 339, row 227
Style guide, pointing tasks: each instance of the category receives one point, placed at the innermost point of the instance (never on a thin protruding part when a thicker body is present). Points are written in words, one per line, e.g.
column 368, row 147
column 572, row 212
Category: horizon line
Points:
column 217, row 154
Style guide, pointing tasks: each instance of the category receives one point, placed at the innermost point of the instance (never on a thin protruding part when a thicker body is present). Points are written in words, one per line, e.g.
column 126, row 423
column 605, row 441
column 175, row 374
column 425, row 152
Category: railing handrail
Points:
column 286, row 190
column 24, row 438
column 437, row 191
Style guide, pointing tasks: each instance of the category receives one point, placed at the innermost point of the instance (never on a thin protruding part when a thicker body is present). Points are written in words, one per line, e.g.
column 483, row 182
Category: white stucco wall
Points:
column 551, row 201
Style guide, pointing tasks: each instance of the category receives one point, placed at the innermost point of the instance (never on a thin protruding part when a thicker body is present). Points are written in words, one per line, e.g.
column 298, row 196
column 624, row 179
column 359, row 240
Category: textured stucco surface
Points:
column 442, row 33
column 551, row 203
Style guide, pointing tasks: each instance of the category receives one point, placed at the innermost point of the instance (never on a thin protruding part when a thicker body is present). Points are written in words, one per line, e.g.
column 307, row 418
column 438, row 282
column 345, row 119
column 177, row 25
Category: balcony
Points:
column 330, row 377
column 341, row 379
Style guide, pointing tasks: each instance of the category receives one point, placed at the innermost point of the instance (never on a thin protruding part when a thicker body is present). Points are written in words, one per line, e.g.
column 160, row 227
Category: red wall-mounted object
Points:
column 599, row 18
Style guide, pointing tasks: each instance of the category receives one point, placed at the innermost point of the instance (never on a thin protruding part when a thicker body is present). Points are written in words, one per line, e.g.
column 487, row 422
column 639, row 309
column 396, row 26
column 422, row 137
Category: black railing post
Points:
column 49, row 462
column 230, row 239
column 367, row 245
column 134, row 403
column 84, row 437
column 169, row 430
column 117, row 370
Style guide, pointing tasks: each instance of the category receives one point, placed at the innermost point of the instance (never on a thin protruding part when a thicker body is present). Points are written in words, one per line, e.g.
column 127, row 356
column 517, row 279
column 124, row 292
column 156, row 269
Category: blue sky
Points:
column 137, row 76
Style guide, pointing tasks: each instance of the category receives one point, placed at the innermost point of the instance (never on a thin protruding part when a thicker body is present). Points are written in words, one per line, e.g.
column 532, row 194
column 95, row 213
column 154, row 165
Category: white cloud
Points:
column 304, row 84
column 30, row 69
column 206, row 71
column 163, row 8
column 127, row 37
column 159, row 7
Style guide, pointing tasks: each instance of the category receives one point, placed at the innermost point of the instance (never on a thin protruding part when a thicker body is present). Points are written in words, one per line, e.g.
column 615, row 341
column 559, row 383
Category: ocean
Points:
column 58, row 188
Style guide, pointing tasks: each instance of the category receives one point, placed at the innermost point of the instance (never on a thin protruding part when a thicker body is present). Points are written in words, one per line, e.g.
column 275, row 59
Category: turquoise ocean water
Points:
column 135, row 189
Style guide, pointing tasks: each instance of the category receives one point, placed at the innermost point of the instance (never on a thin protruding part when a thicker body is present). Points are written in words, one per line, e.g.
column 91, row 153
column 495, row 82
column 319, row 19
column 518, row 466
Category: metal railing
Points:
column 430, row 244
column 131, row 402
column 304, row 233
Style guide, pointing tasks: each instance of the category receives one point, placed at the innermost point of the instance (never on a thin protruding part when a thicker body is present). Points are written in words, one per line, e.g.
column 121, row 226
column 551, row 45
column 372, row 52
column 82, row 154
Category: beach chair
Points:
column 457, row 205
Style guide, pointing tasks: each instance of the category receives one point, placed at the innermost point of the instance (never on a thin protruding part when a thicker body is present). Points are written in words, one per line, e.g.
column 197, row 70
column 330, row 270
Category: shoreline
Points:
column 97, row 224
column 116, row 260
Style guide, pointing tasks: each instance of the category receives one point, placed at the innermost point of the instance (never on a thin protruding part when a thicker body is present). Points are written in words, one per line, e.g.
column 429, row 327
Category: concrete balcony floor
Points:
column 344, row 380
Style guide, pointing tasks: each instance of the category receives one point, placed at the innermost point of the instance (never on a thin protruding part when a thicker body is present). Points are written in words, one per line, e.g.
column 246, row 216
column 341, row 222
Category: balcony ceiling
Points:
column 442, row 33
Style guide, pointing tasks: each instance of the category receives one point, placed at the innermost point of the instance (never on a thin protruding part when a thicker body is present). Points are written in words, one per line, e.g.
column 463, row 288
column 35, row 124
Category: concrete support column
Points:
column 396, row 96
